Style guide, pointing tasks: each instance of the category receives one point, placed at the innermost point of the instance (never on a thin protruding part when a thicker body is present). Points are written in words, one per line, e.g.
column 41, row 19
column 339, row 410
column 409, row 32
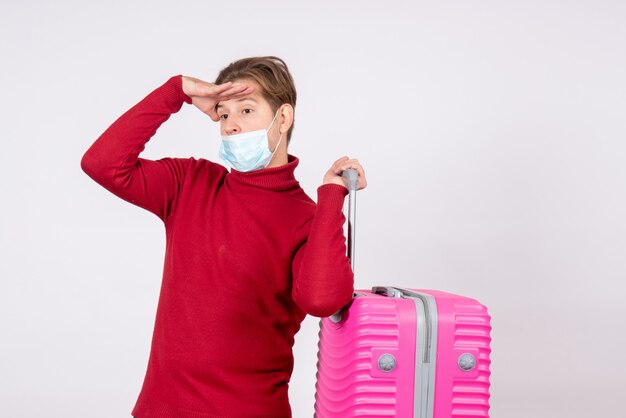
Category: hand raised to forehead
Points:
column 206, row 95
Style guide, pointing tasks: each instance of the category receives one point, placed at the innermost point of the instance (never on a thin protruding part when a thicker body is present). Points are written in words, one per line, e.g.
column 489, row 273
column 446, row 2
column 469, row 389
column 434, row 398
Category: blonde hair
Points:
column 271, row 73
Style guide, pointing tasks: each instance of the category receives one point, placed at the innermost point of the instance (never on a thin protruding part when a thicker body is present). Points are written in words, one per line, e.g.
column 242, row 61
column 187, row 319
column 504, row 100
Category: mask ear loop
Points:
column 270, row 127
column 274, row 152
column 279, row 138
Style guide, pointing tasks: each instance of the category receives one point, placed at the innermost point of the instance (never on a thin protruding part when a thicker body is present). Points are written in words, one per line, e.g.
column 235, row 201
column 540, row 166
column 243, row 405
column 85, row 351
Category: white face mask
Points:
column 248, row 151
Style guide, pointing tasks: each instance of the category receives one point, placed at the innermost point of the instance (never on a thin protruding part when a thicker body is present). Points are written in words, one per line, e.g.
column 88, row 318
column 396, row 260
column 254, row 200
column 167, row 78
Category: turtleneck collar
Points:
column 279, row 178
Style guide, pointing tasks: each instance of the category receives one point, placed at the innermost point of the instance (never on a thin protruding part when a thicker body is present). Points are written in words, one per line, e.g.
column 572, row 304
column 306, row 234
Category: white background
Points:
column 492, row 133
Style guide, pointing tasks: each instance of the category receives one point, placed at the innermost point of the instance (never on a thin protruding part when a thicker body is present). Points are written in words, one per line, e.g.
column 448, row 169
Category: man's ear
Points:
column 286, row 112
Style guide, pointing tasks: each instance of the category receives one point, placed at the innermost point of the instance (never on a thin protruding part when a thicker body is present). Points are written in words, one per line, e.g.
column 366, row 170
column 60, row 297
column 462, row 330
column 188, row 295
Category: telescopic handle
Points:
column 353, row 179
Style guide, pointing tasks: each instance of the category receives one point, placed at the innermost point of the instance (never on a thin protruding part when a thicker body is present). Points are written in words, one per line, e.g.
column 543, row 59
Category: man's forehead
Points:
column 247, row 98
column 255, row 96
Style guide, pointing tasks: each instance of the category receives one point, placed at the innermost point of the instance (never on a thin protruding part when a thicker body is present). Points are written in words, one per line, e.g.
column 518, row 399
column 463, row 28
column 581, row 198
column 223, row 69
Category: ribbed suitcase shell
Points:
column 350, row 382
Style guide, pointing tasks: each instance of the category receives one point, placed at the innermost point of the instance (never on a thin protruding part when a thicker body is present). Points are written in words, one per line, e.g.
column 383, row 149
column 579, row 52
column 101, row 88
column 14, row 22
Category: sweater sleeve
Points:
column 113, row 160
column 323, row 279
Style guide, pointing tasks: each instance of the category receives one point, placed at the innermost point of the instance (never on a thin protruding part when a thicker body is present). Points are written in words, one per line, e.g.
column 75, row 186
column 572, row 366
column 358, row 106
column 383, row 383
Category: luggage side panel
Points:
column 463, row 357
column 350, row 382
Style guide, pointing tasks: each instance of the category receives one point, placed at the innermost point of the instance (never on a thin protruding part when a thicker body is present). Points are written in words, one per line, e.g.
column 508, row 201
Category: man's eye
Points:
column 224, row 116
column 247, row 111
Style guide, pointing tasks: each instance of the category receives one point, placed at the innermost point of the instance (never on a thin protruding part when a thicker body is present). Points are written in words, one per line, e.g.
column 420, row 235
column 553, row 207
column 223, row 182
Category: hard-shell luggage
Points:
column 396, row 352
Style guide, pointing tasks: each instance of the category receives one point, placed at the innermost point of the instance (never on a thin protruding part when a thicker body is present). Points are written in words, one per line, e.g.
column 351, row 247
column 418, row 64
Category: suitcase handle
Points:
column 390, row 292
column 352, row 176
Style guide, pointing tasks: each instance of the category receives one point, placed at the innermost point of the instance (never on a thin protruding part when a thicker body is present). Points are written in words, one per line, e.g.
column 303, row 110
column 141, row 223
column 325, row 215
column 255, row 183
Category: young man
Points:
column 248, row 253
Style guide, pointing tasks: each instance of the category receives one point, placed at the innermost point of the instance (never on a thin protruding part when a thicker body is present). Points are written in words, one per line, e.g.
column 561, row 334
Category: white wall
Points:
column 492, row 133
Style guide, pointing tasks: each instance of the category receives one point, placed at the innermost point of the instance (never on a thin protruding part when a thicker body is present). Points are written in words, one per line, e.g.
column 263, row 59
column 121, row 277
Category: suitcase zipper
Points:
column 426, row 311
column 426, row 380
column 427, row 317
column 394, row 292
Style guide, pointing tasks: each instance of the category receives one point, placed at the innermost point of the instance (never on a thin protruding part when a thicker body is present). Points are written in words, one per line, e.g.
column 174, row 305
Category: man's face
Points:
column 247, row 113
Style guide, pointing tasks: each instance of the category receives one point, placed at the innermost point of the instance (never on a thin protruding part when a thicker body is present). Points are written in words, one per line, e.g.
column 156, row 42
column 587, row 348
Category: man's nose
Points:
column 231, row 127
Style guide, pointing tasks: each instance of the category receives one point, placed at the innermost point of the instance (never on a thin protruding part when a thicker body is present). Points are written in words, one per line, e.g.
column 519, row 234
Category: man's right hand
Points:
column 206, row 95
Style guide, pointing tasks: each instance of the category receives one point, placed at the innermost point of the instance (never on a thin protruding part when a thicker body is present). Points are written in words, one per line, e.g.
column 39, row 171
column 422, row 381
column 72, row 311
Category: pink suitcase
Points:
column 403, row 353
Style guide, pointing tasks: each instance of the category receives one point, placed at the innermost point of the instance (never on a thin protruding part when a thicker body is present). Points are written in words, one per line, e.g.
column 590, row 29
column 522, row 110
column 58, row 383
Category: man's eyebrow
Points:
column 243, row 99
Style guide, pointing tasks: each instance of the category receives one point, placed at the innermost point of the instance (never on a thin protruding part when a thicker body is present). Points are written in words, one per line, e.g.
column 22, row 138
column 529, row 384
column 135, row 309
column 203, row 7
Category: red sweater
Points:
column 247, row 256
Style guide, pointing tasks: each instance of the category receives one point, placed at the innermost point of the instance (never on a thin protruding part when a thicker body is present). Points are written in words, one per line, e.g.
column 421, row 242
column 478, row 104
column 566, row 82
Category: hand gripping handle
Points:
column 353, row 178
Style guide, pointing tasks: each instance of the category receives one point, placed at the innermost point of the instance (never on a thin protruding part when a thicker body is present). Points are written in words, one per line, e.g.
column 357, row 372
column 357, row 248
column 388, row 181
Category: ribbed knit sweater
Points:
column 247, row 256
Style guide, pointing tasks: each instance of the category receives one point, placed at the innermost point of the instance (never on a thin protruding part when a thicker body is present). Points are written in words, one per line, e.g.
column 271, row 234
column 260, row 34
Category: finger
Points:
column 336, row 167
column 340, row 160
column 235, row 90
column 356, row 165
column 213, row 89
column 213, row 115
column 350, row 164
column 359, row 171
column 233, row 94
column 225, row 91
